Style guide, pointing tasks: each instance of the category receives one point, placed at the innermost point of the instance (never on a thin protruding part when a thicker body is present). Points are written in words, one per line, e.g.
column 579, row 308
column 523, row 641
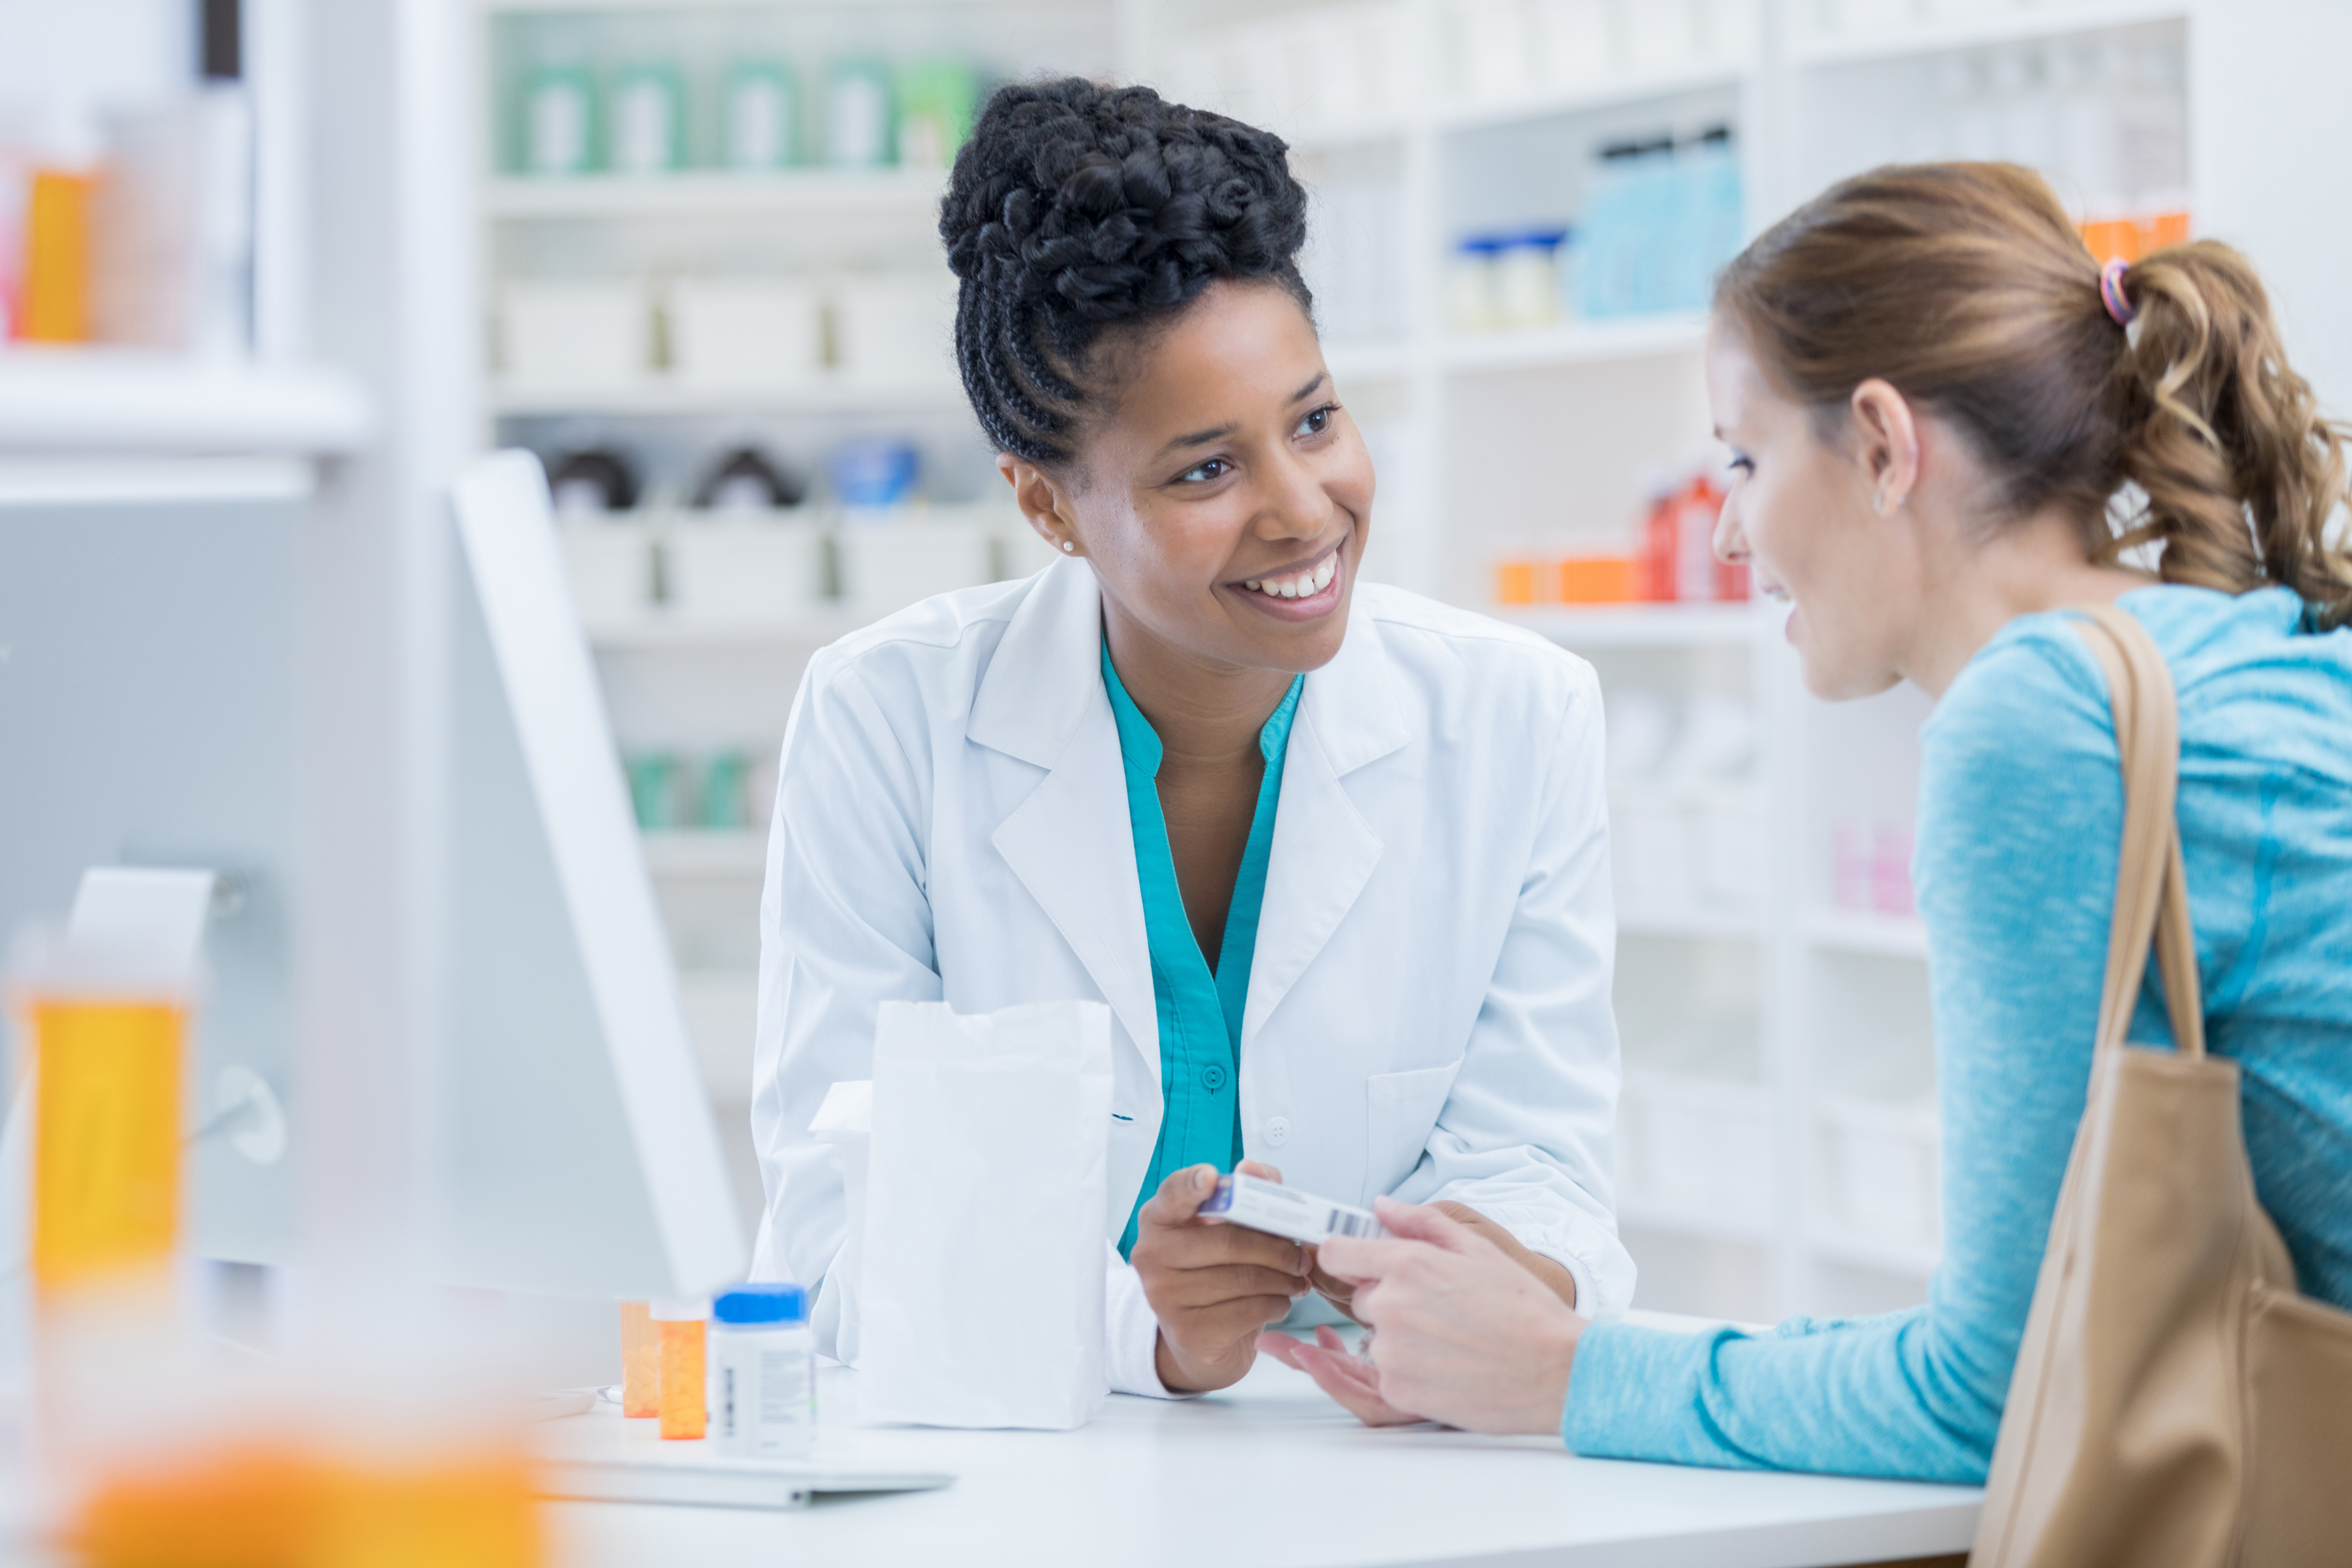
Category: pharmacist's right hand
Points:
column 1213, row 1287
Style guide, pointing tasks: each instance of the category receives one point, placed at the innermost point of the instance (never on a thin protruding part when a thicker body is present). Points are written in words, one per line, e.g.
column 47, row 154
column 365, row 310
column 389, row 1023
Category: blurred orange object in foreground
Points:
column 106, row 1138
column 272, row 1508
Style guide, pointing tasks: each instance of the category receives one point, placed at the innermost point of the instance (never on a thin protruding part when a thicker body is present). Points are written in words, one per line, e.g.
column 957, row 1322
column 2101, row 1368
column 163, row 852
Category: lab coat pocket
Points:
column 1401, row 1108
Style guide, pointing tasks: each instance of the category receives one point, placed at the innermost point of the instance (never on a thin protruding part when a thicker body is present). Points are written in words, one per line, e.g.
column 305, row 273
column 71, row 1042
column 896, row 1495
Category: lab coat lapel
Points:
column 1070, row 842
column 1324, row 850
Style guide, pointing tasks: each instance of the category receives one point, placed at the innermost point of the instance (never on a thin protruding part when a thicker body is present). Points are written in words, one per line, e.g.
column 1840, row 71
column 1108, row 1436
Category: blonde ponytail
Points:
column 1968, row 288
column 2243, row 474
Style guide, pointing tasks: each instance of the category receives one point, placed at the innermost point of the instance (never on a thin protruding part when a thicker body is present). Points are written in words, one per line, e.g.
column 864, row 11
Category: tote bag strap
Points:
column 2151, row 888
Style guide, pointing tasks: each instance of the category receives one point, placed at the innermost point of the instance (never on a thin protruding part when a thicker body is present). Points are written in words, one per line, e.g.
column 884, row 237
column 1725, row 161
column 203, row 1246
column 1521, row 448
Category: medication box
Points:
column 1259, row 1204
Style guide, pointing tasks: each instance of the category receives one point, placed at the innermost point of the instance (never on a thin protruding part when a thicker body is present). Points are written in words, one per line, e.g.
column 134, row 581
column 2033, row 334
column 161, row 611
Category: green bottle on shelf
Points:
column 647, row 133
column 759, row 116
column 937, row 100
column 858, row 115
column 558, row 122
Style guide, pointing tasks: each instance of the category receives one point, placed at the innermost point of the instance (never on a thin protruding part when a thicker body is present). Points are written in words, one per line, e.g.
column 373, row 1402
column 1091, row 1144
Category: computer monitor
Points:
column 146, row 700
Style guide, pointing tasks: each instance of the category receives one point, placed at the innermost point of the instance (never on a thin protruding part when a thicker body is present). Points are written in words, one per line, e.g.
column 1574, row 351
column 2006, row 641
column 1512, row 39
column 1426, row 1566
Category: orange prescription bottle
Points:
column 106, row 1135
column 55, row 307
column 640, row 1361
column 680, row 1324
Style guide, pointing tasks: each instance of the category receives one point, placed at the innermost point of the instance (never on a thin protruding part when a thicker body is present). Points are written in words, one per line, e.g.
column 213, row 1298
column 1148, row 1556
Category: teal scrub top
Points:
column 1200, row 1013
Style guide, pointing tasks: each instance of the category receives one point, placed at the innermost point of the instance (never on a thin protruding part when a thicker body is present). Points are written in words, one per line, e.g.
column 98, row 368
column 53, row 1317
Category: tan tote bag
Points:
column 2176, row 1402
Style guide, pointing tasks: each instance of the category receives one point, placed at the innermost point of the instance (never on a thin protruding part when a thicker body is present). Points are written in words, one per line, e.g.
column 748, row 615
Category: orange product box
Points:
column 1515, row 582
column 1598, row 580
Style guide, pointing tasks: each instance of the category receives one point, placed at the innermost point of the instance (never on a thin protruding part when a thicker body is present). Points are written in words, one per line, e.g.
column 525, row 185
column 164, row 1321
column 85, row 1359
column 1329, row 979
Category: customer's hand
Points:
column 1341, row 1294
column 1556, row 1278
column 1213, row 1287
column 1461, row 1334
column 1347, row 1377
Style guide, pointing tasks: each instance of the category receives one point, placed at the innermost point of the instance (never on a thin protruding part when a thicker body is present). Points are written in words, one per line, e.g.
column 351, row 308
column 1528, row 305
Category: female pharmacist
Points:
column 1335, row 856
column 1933, row 393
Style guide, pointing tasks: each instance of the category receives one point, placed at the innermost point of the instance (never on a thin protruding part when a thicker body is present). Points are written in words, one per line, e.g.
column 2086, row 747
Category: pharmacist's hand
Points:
column 1213, row 1287
column 1354, row 1382
column 1462, row 1332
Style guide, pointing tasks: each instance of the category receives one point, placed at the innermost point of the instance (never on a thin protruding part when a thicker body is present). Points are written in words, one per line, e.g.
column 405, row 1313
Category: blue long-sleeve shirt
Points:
column 2020, row 810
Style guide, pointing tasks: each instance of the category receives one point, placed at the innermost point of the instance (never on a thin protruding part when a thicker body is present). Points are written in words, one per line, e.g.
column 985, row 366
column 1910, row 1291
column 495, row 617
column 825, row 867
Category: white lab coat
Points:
column 1429, row 1005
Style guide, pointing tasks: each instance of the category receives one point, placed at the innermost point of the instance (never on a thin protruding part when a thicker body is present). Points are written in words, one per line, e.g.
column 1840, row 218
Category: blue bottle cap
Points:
column 764, row 1305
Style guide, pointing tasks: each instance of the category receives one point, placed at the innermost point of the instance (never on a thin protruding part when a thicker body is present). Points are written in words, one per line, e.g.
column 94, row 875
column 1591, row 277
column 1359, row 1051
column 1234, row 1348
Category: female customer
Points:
column 1334, row 855
column 1935, row 397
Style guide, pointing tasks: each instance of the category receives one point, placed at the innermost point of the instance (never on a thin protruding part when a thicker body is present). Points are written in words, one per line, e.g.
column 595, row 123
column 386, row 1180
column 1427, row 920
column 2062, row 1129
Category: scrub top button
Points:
column 1212, row 1078
column 1277, row 1132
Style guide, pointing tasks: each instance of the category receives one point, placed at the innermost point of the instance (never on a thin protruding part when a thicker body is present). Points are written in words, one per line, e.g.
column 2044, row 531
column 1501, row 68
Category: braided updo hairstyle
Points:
column 1075, row 210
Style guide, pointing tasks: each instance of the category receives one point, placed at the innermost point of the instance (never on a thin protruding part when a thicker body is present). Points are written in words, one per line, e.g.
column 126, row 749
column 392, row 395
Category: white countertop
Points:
column 1268, row 1473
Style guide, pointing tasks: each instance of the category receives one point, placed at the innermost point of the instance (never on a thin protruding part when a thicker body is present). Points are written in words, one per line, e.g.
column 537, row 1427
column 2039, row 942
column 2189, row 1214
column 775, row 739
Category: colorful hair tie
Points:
column 2111, row 292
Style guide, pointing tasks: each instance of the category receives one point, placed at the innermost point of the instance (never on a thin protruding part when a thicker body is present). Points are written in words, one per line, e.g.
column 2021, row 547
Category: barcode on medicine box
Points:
column 1343, row 1223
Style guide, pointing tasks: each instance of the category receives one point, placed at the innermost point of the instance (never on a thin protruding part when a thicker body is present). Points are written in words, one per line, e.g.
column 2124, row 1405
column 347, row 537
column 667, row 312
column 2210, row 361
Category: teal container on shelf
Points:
column 646, row 133
column 759, row 116
column 859, row 115
column 722, row 804
column 557, row 129
column 657, row 787
column 936, row 101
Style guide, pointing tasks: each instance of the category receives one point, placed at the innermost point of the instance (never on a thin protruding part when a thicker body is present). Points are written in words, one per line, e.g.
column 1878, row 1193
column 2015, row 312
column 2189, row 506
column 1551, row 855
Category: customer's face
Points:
column 1799, row 512
column 1225, row 467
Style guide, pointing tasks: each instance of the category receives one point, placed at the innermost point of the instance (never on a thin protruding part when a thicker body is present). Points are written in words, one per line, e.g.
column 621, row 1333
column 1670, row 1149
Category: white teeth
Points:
column 1305, row 586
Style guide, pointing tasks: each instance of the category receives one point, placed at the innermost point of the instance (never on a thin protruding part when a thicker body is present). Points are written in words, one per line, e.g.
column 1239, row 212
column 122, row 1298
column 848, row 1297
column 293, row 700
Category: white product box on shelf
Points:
column 1573, row 42
column 1693, row 847
column 721, row 1016
column 610, row 566
column 738, row 571
column 1867, row 16
column 1491, row 47
column 1659, row 35
column 1727, row 29
column 1882, row 1167
column 891, row 560
column 1021, row 549
column 891, row 331
column 745, row 334
column 575, row 335
column 1699, row 1146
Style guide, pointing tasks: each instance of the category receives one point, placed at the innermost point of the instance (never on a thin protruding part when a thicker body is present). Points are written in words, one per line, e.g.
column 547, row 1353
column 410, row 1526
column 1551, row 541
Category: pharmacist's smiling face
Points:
column 1225, row 501
column 1799, row 512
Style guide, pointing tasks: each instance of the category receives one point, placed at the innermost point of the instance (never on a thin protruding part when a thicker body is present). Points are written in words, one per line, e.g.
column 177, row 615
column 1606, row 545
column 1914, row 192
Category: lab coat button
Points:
column 1277, row 1132
column 1212, row 1078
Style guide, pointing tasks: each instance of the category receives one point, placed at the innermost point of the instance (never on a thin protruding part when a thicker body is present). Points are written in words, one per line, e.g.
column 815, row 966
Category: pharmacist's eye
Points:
column 1315, row 424
column 1742, row 464
column 1202, row 473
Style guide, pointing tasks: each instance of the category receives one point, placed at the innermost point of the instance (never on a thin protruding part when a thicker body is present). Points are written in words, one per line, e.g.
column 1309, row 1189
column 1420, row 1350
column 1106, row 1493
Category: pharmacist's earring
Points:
column 1068, row 548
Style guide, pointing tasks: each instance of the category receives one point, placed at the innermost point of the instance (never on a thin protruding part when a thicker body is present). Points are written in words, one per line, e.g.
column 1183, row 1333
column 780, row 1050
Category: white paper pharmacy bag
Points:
column 980, row 1295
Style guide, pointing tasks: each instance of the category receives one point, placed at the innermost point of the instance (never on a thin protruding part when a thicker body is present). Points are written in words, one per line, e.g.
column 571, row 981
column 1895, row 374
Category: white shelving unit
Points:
column 1778, row 1134
column 98, row 400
